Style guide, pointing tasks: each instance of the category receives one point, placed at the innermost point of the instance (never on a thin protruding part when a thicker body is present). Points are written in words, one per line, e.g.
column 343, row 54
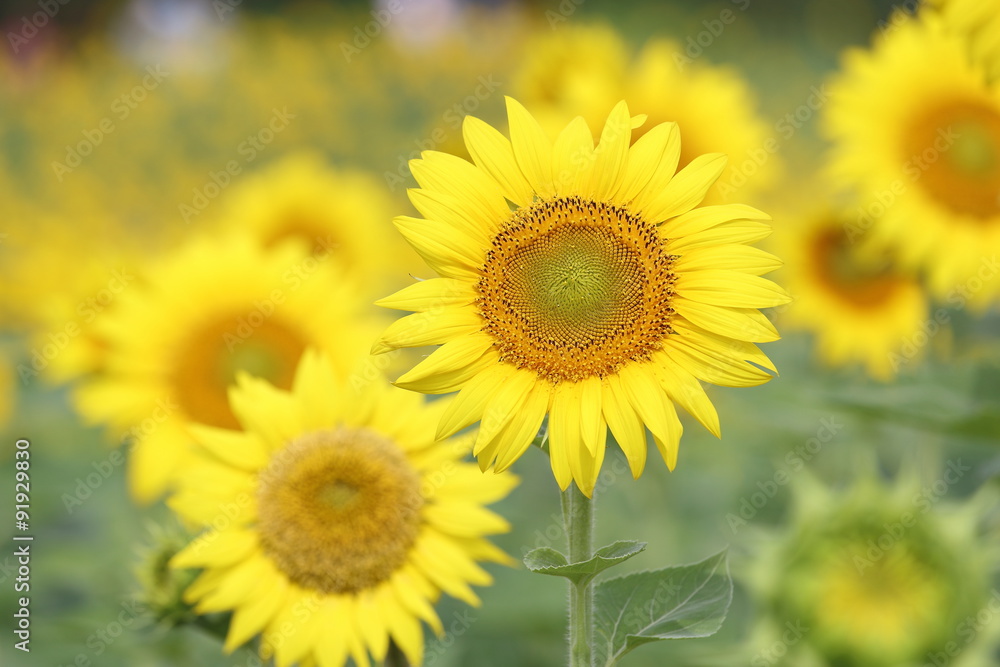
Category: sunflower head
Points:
column 916, row 129
column 877, row 574
column 333, row 519
column 858, row 302
column 582, row 283
column 178, row 337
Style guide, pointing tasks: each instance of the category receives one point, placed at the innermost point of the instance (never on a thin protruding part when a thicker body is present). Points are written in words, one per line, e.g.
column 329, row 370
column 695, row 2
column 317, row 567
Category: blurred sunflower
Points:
column 716, row 111
column 600, row 300
column 584, row 69
column 978, row 21
column 301, row 199
column 857, row 303
column 917, row 133
column 878, row 575
column 576, row 70
column 348, row 522
column 215, row 307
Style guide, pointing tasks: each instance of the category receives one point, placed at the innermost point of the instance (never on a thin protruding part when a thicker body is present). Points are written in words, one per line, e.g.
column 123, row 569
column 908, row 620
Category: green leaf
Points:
column 673, row 603
column 550, row 561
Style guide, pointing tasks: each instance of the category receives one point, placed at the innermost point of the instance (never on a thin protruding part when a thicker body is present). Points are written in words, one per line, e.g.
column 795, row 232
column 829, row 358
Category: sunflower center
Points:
column 206, row 365
column 866, row 284
column 573, row 288
column 956, row 151
column 339, row 510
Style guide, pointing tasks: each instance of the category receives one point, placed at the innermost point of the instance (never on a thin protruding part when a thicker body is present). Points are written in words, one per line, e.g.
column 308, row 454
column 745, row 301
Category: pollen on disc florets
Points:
column 572, row 288
column 339, row 510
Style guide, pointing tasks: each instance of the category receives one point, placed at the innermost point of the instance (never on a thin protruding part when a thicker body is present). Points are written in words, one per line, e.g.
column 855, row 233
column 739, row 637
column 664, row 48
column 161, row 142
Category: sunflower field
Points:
column 500, row 333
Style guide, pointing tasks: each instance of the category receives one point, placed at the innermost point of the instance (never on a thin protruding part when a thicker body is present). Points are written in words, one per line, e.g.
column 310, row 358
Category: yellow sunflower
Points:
column 577, row 69
column 584, row 69
column 302, row 199
column 334, row 521
column 859, row 305
column 716, row 112
column 583, row 283
column 917, row 133
column 978, row 22
column 215, row 307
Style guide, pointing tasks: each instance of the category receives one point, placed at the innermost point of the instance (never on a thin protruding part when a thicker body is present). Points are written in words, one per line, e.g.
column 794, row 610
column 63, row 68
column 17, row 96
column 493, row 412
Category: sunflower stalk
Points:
column 578, row 520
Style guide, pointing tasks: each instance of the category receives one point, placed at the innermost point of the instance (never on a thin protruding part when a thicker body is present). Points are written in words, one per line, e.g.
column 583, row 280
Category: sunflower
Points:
column 878, row 575
column 575, row 70
column 860, row 306
column 978, row 22
column 716, row 112
column 215, row 307
column 580, row 283
column 301, row 199
column 584, row 69
column 336, row 520
column 917, row 134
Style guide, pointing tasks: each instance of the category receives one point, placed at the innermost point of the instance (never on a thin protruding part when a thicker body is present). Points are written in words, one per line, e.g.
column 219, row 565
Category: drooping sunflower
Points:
column 334, row 520
column 177, row 338
column 302, row 199
column 878, row 575
column 916, row 130
column 861, row 307
column 583, row 283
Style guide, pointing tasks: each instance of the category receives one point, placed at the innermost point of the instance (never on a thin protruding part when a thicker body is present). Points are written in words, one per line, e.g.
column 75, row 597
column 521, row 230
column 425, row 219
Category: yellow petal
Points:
column 573, row 159
column 625, row 424
column 730, row 288
column 431, row 294
column 470, row 403
column 453, row 356
column 612, row 152
column 492, row 152
column 652, row 163
column 532, row 149
column 688, row 188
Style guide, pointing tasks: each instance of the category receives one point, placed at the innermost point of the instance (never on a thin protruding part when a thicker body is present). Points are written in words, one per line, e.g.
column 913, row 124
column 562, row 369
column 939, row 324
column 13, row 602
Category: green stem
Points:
column 395, row 657
column 578, row 519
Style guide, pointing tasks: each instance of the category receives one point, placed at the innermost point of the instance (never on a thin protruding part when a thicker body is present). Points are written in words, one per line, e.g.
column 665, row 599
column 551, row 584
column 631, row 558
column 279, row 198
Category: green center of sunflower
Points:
column 207, row 363
column 339, row 510
column 865, row 283
column 954, row 154
column 573, row 288
column 874, row 592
